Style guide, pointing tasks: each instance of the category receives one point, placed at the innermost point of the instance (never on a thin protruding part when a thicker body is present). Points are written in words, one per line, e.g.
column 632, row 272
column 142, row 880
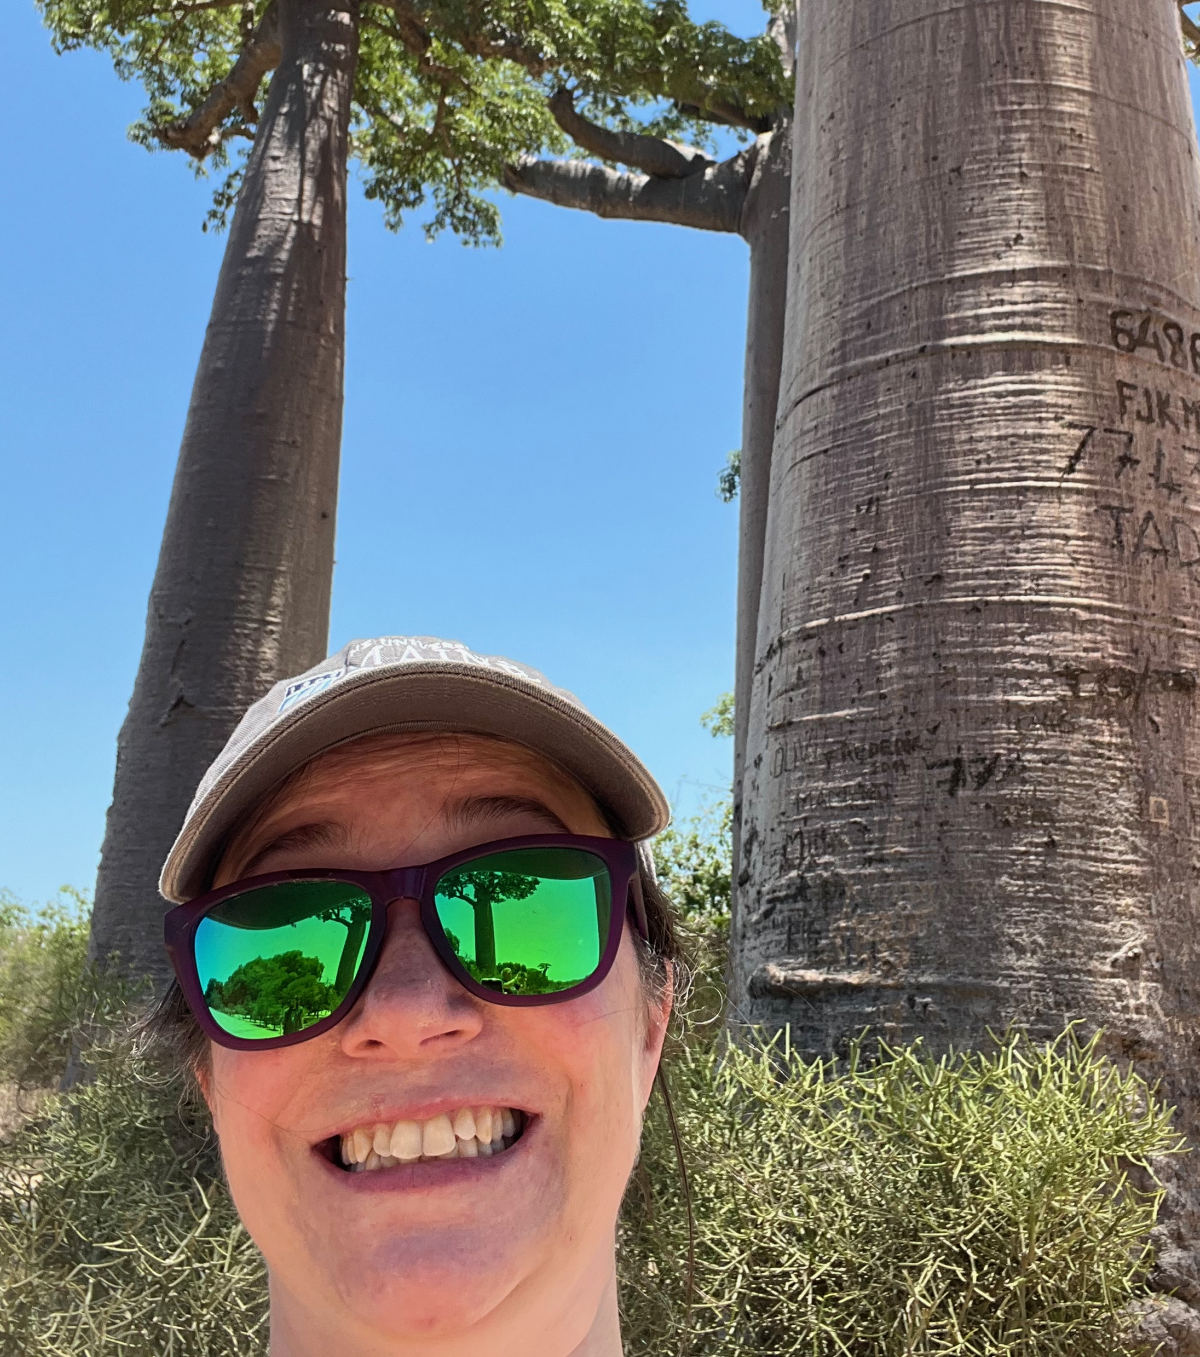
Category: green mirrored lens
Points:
column 281, row 958
column 530, row 920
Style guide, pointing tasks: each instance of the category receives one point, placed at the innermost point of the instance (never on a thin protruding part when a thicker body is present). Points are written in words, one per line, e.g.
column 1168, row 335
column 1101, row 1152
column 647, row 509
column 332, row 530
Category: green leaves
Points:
column 719, row 718
column 450, row 91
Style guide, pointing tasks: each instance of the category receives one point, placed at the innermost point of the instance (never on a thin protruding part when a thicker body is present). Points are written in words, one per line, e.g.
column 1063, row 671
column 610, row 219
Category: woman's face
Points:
column 502, row 1255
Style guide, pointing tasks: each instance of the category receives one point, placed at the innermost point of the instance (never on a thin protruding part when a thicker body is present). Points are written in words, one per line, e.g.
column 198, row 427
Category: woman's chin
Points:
column 421, row 1251
column 449, row 1289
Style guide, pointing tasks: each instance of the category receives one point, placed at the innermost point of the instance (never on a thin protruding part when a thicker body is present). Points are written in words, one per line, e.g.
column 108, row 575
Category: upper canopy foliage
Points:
column 448, row 92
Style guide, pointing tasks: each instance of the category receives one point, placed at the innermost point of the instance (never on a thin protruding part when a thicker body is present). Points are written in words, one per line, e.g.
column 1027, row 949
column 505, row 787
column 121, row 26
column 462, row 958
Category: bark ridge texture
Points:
column 972, row 768
column 241, row 593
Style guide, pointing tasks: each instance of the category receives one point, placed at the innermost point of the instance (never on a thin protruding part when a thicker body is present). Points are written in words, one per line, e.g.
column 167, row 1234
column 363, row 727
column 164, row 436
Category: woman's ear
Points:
column 203, row 1075
column 658, row 1015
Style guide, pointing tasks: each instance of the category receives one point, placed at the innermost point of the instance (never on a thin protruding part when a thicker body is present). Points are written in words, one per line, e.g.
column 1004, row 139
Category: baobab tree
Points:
column 436, row 101
column 973, row 765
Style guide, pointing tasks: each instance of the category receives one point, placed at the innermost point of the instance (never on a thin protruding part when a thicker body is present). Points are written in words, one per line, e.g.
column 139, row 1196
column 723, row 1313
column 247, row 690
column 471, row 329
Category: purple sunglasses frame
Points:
column 405, row 883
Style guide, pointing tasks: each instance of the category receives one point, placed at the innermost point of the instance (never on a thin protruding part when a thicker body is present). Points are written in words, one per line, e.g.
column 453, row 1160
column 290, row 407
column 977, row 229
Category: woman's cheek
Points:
column 248, row 1098
column 602, row 1046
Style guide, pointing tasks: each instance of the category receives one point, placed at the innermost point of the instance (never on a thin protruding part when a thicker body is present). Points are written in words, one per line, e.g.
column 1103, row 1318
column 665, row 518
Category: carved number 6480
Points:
column 1131, row 333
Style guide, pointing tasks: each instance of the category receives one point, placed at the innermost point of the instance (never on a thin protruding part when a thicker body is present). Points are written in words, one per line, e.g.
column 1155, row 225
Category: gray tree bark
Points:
column 973, row 754
column 711, row 199
column 241, row 593
column 764, row 224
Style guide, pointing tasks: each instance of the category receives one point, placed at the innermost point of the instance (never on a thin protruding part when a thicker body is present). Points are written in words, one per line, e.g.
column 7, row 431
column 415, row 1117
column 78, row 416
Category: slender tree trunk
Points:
column 973, row 756
column 485, row 937
column 764, row 225
column 241, row 593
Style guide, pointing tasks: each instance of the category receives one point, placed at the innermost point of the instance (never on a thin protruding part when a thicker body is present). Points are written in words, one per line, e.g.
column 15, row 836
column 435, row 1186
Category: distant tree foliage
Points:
column 730, row 478
column 47, row 989
column 693, row 861
column 718, row 720
column 282, row 993
column 447, row 94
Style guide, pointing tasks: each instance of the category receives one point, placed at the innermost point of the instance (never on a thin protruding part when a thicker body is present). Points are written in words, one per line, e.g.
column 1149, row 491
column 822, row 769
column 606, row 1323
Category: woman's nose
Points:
column 412, row 1006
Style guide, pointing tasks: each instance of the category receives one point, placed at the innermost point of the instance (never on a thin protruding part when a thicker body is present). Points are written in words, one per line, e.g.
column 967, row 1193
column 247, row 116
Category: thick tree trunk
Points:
column 241, row 593
column 764, row 225
column 973, row 759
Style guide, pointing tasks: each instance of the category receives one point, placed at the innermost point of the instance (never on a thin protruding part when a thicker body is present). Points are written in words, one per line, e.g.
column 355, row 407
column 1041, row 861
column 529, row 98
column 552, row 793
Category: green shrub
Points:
column 117, row 1235
column 973, row 1205
column 44, row 986
column 693, row 861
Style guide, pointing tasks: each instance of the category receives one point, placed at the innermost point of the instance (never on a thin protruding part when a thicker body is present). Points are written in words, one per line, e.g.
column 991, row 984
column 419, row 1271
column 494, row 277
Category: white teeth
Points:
column 406, row 1140
column 483, row 1123
column 467, row 1133
column 437, row 1136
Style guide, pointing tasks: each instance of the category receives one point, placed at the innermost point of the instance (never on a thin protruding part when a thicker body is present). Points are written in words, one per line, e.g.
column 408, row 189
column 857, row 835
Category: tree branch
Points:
column 654, row 155
column 411, row 26
column 1190, row 31
column 200, row 133
column 710, row 201
column 726, row 115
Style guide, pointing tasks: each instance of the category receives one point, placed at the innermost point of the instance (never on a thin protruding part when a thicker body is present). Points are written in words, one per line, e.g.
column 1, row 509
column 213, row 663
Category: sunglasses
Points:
column 279, row 958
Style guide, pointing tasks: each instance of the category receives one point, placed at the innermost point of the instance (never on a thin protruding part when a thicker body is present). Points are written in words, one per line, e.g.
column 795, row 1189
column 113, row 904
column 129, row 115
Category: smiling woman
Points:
column 423, row 980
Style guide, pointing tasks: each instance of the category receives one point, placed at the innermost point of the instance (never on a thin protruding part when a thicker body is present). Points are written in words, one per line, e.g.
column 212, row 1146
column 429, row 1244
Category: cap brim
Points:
column 429, row 697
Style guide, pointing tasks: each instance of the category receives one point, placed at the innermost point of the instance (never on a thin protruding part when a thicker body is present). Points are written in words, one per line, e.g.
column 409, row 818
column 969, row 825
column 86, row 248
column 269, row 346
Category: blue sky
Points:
column 532, row 441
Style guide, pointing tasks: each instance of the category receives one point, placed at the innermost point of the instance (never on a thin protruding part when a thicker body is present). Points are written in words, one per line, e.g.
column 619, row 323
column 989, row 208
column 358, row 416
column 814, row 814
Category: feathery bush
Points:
column 117, row 1235
column 978, row 1204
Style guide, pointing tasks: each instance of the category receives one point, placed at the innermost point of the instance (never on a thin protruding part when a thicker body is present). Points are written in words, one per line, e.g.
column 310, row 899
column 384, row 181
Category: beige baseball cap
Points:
column 403, row 683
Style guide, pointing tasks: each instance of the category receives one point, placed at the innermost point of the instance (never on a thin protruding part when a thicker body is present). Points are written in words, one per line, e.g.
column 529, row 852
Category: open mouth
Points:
column 467, row 1133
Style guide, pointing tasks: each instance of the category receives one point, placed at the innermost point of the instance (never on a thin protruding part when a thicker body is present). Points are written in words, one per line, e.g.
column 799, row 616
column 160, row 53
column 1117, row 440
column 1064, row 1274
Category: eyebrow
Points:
column 318, row 834
column 477, row 810
column 464, row 814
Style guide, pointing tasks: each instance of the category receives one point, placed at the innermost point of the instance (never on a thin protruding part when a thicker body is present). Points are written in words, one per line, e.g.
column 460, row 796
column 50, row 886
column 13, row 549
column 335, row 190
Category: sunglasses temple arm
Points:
column 639, row 907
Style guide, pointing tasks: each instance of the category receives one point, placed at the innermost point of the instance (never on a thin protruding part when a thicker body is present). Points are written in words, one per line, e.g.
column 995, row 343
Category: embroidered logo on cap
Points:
column 305, row 688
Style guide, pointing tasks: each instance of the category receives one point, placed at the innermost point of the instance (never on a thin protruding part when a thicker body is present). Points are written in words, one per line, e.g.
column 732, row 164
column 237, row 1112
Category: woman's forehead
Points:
column 429, row 757
column 453, row 778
